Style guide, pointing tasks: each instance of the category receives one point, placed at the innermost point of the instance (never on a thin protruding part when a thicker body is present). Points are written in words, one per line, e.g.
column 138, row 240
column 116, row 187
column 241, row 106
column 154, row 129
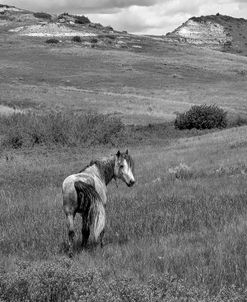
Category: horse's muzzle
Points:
column 131, row 183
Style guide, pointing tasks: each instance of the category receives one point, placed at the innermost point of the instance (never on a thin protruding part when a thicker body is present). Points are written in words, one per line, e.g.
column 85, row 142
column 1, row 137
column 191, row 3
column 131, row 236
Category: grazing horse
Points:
column 85, row 193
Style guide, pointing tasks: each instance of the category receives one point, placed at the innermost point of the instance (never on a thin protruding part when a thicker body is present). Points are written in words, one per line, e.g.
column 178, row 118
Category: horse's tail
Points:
column 87, row 191
column 97, row 220
column 90, row 205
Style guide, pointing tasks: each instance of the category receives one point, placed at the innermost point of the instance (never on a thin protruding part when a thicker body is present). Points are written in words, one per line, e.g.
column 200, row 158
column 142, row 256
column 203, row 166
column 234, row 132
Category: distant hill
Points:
column 16, row 21
column 219, row 32
column 12, row 18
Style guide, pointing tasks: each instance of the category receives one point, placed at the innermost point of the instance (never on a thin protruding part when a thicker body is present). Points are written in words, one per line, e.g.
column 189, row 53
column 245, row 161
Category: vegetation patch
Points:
column 52, row 41
column 201, row 117
column 29, row 129
column 63, row 280
column 81, row 20
column 76, row 39
column 41, row 15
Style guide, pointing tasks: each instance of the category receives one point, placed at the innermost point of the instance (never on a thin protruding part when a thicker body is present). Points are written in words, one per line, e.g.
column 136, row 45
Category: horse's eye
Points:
column 121, row 166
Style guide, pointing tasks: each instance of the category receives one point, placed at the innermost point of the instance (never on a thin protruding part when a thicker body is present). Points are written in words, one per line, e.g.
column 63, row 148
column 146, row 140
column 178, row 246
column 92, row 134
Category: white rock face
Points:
column 49, row 30
column 208, row 32
column 10, row 9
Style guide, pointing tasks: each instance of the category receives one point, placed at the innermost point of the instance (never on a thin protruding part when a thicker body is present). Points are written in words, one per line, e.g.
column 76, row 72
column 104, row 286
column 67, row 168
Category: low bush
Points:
column 81, row 20
column 41, row 15
column 29, row 129
column 94, row 40
column 76, row 39
column 52, row 41
column 201, row 117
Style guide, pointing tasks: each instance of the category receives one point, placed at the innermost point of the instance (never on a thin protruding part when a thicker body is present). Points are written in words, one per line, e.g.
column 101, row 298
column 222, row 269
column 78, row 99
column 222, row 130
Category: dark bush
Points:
column 76, row 39
column 52, row 41
column 94, row 40
column 201, row 117
column 109, row 28
column 63, row 15
column 81, row 20
column 26, row 130
column 42, row 15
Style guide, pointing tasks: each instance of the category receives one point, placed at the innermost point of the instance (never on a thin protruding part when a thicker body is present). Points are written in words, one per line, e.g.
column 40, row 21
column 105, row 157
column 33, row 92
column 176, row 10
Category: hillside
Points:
column 63, row 27
column 140, row 79
column 216, row 31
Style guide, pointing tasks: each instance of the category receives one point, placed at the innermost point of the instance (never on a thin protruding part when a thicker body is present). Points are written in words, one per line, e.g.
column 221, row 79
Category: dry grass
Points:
column 63, row 128
column 137, row 87
column 167, row 239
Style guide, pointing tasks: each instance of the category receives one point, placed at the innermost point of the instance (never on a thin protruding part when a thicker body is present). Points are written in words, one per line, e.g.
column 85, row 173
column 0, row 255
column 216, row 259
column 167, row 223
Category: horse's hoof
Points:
column 70, row 254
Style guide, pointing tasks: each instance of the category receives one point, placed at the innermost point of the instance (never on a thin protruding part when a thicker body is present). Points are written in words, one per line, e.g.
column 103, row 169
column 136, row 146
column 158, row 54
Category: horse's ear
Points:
column 118, row 153
column 127, row 151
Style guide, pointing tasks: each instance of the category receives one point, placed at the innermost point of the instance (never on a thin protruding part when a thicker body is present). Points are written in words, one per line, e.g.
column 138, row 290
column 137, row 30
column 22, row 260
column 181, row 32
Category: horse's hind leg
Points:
column 71, row 232
column 85, row 231
column 101, row 239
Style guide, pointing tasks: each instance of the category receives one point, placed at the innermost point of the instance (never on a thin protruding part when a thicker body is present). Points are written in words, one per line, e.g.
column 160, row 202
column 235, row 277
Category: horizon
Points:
column 151, row 17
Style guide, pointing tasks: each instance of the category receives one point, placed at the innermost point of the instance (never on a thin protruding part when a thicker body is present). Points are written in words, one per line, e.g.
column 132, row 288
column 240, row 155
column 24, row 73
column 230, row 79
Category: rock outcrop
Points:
column 216, row 31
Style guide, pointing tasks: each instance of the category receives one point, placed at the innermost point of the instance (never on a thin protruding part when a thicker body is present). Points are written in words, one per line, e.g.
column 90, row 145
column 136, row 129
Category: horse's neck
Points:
column 106, row 169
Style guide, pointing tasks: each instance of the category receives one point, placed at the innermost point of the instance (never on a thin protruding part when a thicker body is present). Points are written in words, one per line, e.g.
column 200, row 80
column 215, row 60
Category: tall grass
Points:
column 167, row 238
column 25, row 130
column 29, row 129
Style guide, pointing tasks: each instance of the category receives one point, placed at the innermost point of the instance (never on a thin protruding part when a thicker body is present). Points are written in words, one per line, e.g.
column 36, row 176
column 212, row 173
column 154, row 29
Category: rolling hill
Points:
column 140, row 79
column 218, row 32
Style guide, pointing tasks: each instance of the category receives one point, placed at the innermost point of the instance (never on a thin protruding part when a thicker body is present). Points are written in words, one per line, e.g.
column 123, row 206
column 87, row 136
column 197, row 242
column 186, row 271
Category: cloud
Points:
column 86, row 5
column 138, row 16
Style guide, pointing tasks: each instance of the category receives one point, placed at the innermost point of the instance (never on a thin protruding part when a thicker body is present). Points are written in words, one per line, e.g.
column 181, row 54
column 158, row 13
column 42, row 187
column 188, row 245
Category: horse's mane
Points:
column 87, row 166
column 106, row 165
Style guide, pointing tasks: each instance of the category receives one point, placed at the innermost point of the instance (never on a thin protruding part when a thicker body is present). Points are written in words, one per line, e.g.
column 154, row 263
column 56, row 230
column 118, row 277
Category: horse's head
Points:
column 124, row 168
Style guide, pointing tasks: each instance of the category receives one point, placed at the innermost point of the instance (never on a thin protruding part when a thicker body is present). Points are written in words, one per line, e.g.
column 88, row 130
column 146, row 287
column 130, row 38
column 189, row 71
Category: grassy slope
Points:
column 140, row 86
column 193, row 228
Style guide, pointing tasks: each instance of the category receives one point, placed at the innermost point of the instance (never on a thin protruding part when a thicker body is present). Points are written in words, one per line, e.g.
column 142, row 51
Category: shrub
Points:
column 81, row 20
column 94, row 40
column 42, row 16
column 201, row 117
column 52, row 41
column 76, row 39
column 29, row 129
column 109, row 28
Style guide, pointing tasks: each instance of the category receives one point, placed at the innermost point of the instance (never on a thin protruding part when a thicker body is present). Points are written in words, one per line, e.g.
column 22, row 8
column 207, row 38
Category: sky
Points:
column 138, row 16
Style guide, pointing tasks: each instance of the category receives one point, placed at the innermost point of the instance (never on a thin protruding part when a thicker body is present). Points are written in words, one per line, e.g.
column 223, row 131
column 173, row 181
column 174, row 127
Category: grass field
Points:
column 169, row 238
column 140, row 86
column 180, row 233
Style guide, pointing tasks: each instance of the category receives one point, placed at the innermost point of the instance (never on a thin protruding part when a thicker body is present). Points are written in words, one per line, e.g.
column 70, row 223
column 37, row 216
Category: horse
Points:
column 85, row 193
